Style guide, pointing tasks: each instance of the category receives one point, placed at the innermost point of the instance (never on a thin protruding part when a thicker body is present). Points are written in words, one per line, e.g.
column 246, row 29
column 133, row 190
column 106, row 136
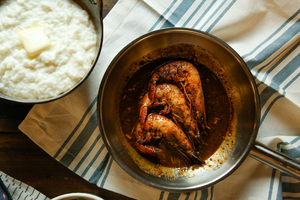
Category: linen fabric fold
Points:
column 267, row 36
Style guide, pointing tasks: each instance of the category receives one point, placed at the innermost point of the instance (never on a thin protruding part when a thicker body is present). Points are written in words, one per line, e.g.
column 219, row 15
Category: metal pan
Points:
column 246, row 106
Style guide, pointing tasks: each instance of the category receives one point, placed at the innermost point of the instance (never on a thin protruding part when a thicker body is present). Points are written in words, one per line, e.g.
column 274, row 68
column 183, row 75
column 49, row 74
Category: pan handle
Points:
column 276, row 159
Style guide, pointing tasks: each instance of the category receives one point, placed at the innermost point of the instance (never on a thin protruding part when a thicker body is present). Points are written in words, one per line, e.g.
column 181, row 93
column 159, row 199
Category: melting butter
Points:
column 34, row 39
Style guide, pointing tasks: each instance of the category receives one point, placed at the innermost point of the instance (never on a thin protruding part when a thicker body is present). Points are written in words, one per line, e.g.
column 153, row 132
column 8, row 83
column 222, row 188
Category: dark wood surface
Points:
column 24, row 160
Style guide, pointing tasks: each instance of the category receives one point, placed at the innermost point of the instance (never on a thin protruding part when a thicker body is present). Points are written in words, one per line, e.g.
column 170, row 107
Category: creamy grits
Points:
column 60, row 63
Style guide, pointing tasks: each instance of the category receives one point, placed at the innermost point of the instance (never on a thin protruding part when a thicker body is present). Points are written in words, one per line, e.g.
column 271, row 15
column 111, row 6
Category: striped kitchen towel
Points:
column 266, row 33
column 19, row 190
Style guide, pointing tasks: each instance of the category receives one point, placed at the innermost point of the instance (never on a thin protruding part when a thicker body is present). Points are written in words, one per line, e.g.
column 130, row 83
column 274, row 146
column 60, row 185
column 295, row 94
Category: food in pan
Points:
column 174, row 103
column 46, row 47
column 187, row 77
column 176, row 117
column 158, row 127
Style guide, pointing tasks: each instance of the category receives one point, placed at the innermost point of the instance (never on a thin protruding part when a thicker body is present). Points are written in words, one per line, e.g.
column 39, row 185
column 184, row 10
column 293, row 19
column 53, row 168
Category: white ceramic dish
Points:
column 95, row 12
column 75, row 196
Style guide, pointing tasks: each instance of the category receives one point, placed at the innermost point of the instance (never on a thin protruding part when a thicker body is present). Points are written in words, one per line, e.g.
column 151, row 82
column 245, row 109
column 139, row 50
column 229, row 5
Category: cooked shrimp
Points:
column 160, row 127
column 186, row 76
column 174, row 102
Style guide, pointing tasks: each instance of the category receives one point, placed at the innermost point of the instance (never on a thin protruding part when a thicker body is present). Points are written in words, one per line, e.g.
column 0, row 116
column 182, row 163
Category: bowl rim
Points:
column 13, row 99
column 69, row 196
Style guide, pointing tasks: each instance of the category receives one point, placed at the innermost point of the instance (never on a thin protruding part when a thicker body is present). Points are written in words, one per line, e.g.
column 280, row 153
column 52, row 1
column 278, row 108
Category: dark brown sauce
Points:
column 218, row 110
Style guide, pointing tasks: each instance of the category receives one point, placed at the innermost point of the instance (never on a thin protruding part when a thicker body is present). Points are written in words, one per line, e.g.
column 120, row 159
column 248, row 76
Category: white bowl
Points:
column 75, row 196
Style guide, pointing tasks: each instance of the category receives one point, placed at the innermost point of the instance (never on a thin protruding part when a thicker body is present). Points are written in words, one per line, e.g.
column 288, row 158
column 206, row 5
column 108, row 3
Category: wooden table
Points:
column 24, row 160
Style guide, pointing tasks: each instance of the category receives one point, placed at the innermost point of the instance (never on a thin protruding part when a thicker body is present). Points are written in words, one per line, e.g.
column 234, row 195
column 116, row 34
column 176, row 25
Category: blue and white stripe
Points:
column 20, row 190
column 83, row 151
column 290, row 187
column 201, row 15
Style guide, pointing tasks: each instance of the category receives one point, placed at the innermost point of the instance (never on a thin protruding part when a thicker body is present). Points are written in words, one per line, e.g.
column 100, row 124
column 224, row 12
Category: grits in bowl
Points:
column 46, row 47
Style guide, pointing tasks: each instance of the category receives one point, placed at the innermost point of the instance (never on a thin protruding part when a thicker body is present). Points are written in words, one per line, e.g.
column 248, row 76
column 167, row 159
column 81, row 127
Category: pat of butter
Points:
column 34, row 39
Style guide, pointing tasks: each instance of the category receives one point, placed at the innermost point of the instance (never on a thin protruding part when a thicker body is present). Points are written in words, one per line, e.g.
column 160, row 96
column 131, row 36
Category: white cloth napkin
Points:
column 264, row 32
